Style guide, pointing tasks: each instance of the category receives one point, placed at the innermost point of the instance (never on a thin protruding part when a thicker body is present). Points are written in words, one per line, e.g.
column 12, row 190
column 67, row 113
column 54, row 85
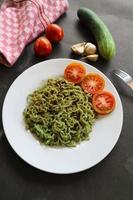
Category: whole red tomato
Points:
column 54, row 33
column 42, row 47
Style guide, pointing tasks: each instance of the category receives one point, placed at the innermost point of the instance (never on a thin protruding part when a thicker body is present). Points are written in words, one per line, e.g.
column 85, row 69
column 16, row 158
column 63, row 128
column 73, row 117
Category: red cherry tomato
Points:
column 103, row 103
column 75, row 72
column 42, row 47
column 93, row 83
column 54, row 33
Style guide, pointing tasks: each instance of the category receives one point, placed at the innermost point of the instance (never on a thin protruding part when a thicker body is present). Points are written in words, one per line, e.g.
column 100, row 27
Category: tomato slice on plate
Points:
column 93, row 83
column 75, row 72
column 103, row 103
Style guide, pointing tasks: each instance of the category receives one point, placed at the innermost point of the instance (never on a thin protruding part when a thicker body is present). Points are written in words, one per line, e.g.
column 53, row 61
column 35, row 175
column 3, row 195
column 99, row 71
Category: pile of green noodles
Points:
column 59, row 113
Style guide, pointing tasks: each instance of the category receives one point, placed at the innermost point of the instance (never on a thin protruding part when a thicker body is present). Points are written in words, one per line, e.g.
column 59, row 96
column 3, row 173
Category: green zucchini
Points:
column 105, row 42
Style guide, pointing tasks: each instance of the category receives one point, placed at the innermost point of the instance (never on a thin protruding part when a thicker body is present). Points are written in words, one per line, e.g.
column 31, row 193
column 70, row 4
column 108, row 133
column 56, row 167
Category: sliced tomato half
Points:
column 93, row 83
column 75, row 72
column 104, row 102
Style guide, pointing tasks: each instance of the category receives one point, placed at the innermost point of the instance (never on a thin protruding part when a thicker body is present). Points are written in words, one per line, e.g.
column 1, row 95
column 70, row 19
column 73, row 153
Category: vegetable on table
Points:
column 54, row 33
column 86, row 49
column 104, row 102
column 92, row 57
column 90, row 49
column 75, row 72
column 42, row 47
column 105, row 42
column 93, row 83
column 78, row 48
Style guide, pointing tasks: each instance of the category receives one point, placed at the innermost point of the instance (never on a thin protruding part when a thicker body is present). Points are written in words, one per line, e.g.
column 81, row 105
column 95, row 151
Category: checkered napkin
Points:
column 21, row 21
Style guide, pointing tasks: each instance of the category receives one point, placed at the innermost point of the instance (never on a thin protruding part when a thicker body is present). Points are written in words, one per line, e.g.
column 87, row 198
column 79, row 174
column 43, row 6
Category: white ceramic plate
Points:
column 104, row 136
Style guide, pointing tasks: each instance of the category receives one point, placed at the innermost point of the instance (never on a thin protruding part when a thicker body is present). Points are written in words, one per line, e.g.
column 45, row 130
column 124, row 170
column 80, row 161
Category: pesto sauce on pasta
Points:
column 59, row 113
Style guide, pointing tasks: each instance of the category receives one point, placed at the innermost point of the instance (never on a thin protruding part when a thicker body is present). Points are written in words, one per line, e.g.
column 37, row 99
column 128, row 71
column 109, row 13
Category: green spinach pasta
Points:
column 59, row 113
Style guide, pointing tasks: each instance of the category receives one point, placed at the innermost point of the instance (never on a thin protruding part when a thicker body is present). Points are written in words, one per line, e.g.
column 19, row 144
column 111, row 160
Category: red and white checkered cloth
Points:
column 21, row 21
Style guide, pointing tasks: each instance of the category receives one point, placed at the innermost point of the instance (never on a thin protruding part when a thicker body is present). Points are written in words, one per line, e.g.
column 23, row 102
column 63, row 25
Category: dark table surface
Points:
column 111, row 179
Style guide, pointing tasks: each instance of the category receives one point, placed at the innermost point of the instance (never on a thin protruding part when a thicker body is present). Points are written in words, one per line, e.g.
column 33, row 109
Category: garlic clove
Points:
column 78, row 48
column 92, row 57
column 90, row 49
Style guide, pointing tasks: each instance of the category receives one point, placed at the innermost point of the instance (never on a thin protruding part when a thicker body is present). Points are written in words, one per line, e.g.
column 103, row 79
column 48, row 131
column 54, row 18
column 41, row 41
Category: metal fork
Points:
column 125, row 77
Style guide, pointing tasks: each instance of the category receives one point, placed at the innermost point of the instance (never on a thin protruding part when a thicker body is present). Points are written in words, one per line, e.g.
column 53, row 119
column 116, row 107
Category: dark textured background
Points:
column 111, row 179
